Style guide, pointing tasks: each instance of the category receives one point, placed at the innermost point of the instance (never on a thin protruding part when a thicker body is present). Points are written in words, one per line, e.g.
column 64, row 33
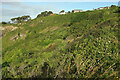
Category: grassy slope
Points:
column 73, row 45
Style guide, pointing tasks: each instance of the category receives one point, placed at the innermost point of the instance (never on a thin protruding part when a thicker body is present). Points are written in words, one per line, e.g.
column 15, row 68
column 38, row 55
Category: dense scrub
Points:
column 75, row 45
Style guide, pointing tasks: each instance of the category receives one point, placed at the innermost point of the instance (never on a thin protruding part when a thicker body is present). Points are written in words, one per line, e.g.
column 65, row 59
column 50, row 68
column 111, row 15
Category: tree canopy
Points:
column 20, row 19
column 4, row 22
column 45, row 13
column 62, row 11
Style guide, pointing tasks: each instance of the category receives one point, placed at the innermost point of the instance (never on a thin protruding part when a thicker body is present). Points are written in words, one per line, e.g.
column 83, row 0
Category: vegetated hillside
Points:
column 75, row 45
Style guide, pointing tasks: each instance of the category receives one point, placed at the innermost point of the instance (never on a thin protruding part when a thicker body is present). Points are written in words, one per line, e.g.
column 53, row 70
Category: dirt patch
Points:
column 51, row 47
column 14, row 38
column 45, row 30
column 114, row 40
column 2, row 28
column 22, row 67
column 70, row 38
column 49, row 29
column 21, row 27
column 22, row 35
column 11, row 28
column 32, row 25
column 53, row 28
column 41, row 21
column 14, row 28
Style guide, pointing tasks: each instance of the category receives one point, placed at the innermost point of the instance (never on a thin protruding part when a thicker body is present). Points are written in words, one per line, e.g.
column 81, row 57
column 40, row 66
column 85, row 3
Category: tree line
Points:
column 45, row 13
column 17, row 20
column 21, row 19
column 26, row 18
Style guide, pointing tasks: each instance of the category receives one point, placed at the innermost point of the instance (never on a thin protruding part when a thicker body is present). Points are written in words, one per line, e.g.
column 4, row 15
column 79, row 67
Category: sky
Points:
column 19, row 8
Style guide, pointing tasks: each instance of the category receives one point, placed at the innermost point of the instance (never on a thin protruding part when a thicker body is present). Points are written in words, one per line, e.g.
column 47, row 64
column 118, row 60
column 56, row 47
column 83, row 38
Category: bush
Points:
column 4, row 22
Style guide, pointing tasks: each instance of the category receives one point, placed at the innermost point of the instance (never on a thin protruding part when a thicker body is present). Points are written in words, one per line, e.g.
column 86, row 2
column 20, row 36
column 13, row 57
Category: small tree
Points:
column 4, row 22
column 113, row 5
column 45, row 13
column 72, row 11
column 39, row 15
column 19, row 19
column 25, row 18
column 62, row 11
column 50, row 12
column 13, row 20
column 68, row 11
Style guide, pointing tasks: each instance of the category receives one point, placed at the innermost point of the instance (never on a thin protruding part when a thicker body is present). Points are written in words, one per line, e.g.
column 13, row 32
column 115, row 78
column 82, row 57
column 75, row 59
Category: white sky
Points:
column 59, row 0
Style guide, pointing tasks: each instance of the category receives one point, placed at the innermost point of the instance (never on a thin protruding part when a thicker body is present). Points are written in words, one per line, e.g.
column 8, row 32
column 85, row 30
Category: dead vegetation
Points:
column 11, row 28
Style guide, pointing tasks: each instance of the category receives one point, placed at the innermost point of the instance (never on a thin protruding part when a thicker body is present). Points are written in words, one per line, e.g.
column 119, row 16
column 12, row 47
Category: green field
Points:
column 74, row 45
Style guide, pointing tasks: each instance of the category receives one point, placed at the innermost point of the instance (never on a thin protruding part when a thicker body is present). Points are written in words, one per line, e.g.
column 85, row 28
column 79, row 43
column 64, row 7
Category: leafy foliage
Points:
column 45, row 13
column 20, row 19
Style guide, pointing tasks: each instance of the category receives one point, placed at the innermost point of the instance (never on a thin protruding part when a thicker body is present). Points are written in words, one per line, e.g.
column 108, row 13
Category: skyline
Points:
column 16, row 9
column 59, row 1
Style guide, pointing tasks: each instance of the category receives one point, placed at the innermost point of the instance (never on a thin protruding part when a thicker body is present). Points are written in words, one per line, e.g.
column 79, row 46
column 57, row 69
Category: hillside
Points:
column 74, row 45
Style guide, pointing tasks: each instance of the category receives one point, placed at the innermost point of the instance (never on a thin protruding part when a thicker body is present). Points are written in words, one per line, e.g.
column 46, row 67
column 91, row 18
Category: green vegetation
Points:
column 74, row 45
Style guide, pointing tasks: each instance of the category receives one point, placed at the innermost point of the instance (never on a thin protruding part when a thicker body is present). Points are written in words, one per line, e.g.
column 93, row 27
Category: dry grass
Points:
column 68, row 69
column 51, row 46
column 94, row 70
column 11, row 28
column 32, row 25
column 53, row 28
column 43, row 31
column 107, row 70
column 113, row 74
column 21, row 28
